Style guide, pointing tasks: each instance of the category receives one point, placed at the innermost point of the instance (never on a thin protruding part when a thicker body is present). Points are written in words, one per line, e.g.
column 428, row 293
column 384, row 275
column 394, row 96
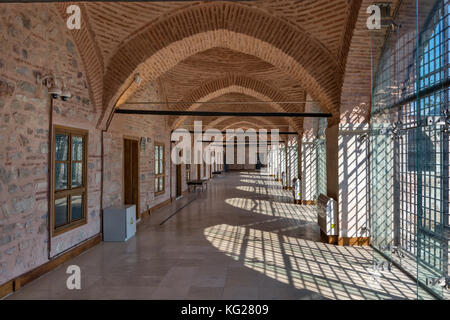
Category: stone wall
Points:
column 34, row 39
column 152, row 129
column 135, row 126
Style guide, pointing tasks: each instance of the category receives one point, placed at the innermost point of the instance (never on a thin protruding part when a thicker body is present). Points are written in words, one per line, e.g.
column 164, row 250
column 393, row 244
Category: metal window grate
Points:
column 409, row 144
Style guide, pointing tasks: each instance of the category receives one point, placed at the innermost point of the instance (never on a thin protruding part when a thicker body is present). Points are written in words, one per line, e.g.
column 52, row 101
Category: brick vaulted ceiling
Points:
column 221, row 71
column 265, row 49
column 234, row 95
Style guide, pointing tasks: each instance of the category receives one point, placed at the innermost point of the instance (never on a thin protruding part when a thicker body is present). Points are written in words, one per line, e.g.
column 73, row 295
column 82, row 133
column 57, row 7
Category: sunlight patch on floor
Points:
column 334, row 272
column 276, row 209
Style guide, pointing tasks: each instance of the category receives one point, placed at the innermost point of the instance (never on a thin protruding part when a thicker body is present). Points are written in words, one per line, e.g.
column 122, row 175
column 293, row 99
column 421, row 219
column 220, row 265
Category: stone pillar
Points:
column 353, row 179
column 292, row 160
column 286, row 163
column 332, row 150
column 331, row 136
column 299, row 156
column 347, row 180
column 309, row 170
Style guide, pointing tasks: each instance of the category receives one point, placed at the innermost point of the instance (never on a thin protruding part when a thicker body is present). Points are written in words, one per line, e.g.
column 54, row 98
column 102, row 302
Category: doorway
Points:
column 179, row 181
column 131, row 172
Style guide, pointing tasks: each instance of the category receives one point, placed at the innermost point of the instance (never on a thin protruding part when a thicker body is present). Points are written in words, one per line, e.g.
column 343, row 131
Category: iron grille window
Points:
column 411, row 90
column 428, row 149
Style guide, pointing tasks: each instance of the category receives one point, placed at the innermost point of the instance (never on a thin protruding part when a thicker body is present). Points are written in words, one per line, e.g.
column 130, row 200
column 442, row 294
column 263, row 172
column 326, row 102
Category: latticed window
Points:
column 70, row 179
column 428, row 149
column 410, row 144
column 159, row 168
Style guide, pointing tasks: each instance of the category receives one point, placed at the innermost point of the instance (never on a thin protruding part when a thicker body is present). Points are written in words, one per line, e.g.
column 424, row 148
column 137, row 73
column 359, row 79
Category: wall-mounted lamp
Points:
column 55, row 89
column 65, row 94
column 137, row 79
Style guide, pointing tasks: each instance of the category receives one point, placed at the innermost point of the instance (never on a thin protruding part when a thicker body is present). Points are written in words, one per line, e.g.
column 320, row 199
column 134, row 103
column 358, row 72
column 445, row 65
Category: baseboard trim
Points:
column 344, row 241
column 328, row 239
column 6, row 288
column 309, row 202
column 20, row 281
column 158, row 206
column 355, row 241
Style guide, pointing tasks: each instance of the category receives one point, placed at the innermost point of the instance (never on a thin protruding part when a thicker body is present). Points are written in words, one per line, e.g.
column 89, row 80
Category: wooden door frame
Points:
column 125, row 137
column 179, row 180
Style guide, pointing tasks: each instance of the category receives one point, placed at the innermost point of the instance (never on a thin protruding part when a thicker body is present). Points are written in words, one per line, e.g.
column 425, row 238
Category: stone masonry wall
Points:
column 157, row 129
column 135, row 126
column 34, row 39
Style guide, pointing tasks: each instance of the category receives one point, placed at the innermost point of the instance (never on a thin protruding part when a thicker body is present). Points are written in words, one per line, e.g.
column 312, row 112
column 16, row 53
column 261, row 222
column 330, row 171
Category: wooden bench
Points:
column 197, row 183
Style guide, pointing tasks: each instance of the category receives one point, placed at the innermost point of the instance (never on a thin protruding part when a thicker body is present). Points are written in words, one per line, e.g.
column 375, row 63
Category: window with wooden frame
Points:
column 69, row 179
column 159, row 168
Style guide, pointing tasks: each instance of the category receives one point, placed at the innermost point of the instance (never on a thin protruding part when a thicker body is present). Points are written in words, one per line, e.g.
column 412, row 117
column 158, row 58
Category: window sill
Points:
column 66, row 228
column 160, row 193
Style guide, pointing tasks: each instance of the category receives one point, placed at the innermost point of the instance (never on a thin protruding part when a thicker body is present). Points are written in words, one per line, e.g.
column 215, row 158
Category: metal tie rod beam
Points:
column 224, row 114
column 244, row 145
column 243, row 133
column 212, row 102
column 218, row 143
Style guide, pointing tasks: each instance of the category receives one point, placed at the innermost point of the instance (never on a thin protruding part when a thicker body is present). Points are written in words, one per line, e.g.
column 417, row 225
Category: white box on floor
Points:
column 119, row 223
column 327, row 215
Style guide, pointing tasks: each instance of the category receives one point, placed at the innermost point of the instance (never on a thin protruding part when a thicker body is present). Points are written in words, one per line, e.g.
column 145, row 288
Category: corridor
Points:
column 242, row 238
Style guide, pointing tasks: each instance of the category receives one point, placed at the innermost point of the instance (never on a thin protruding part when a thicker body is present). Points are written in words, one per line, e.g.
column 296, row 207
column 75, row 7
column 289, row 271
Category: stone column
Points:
column 286, row 163
column 332, row 136
column 299, row 156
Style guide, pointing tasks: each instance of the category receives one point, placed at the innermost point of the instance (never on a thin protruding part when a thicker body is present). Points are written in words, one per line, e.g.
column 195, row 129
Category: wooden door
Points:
column 179, row 181
column 131, row 173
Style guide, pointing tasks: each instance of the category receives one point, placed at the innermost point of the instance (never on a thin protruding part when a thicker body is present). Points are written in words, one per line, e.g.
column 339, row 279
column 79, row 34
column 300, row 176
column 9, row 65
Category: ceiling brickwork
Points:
column 236, row 95
column 355, row 95
column 292, row 47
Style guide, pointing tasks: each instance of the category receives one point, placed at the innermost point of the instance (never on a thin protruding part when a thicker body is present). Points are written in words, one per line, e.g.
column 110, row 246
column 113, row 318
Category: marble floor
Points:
column 242, row 238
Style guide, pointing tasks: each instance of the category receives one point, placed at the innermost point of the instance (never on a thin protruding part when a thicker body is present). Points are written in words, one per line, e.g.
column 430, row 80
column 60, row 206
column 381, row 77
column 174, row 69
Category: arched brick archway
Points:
column 244, row 85
column 165, row 43
column 89, row 53
column 223, row 123
column 242, row 124
column 252, row 124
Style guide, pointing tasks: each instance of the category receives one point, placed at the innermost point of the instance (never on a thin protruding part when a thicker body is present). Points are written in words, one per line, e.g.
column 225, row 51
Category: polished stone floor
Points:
column 242, row 238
